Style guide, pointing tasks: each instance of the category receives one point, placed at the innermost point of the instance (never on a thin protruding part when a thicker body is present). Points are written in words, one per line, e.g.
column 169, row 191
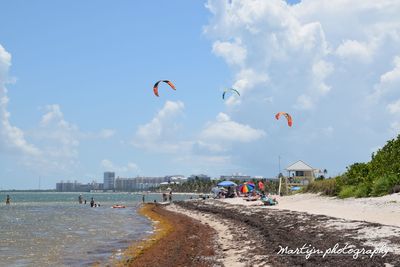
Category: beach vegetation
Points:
column 326, row 187
column 378, row 177
column 347, row 191
column 385, row 185
column 362, row 190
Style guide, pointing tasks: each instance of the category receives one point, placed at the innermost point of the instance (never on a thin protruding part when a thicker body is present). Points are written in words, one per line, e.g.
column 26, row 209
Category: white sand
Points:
column 383, row 210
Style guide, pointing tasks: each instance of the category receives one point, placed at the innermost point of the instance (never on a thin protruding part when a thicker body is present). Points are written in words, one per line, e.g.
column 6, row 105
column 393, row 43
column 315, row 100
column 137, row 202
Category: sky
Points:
column 76, row 81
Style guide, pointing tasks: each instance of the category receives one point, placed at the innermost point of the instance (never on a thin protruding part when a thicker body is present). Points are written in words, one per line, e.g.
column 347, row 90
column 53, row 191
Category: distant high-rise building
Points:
column 199, row 177
column 109, row 181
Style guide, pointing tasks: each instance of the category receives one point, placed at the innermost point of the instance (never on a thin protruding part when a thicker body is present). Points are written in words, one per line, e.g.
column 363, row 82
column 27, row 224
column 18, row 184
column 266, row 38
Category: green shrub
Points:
column 356, row 173
column 385, row 184
column 362, row 190
column 326, row 187
column 347, row 191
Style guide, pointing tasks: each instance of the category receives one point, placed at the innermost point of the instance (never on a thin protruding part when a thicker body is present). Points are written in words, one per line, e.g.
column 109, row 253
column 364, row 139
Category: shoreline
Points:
column 161, row 228
column 177, row 241
column 252, row 235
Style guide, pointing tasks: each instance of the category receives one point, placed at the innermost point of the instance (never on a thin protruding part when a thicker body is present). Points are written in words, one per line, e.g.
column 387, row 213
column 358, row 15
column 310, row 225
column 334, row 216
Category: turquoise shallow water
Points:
column 53, row 229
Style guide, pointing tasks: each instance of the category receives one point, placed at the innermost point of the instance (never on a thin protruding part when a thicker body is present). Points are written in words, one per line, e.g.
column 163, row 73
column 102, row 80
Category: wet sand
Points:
column 183, row 242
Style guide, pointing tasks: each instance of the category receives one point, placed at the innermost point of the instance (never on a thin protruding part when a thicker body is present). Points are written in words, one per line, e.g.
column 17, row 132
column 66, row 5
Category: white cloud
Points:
column 304, row 102
column 392, row 76
column 62, row 137
column 108, row 165
column 107, row 133
column 395, row 128
column 102, row 134
column 320, row 70
column 224, row 129
column 5, row 63
column 54, row 144
column 326, row 59
column 247, row 79
column 388, row 83
column 53, row 114
column 220, row 135
column 394, row 107
column 12, row 136
column 160, row 134
column 350, row 49
column 233, row 53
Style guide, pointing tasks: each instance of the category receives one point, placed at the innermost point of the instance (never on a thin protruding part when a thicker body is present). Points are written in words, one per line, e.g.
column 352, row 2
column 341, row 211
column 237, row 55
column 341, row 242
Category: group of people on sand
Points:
column 263, row 196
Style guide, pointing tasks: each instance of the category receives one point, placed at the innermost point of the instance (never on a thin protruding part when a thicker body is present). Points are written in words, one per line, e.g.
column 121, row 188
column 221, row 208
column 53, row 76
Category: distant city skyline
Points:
column 76, row 87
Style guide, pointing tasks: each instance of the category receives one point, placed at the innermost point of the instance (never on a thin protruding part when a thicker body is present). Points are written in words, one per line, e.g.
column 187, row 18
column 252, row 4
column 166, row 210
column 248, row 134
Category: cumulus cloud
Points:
column 322, row 61
column 12, row 136
column 224, row 129
column 232, row 52
column 394, row 107
column 53, row 145
column 352, row 49
column 108, row 165
column 160, row 134
column 62, row 137
column 107, row 133
column 388, row 82
column 219, row 136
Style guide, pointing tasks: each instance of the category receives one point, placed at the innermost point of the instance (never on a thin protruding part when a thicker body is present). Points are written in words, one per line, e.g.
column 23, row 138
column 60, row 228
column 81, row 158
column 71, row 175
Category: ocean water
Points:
column 53, row 229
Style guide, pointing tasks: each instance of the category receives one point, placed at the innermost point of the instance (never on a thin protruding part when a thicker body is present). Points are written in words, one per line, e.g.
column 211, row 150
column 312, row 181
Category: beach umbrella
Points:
column 247, row 187
column 227, row 183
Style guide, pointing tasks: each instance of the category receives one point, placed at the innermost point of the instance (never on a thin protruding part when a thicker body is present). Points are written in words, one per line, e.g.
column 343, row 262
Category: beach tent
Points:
column 215, row 191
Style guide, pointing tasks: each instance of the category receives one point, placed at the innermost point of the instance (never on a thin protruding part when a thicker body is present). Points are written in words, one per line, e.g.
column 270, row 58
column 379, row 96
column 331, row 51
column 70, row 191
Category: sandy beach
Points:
column 384, row 210
column 302, row 230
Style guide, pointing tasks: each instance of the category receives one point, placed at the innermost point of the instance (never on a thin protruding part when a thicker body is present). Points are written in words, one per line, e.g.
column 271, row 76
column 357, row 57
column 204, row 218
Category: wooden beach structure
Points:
column 299, row 174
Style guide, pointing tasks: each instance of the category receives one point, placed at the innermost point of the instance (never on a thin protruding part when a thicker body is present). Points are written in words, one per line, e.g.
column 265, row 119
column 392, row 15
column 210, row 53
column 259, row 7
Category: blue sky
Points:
column 78, row 78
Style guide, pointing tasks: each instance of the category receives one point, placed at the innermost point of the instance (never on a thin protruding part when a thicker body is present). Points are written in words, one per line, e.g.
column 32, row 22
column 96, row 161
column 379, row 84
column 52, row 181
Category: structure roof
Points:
column 300, row 166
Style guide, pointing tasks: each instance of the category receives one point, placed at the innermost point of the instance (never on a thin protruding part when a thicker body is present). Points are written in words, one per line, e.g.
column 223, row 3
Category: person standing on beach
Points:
column 8, row 200
column 143, row 198
column 80, row 199
column 92, row 203
column 170, row 196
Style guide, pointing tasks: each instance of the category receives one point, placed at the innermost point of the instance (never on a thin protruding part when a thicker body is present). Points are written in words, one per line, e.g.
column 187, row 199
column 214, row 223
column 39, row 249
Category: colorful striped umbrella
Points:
column 247, row 187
